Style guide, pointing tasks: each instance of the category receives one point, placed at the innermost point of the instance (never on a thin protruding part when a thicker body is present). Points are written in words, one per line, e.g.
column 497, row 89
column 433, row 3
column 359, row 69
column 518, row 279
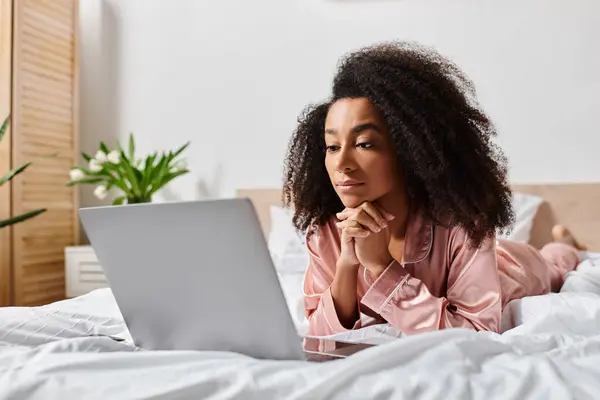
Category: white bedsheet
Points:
column 552, row 352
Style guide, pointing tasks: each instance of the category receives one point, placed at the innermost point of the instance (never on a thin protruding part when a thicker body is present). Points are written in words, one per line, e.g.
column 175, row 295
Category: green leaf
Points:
column 147, row 174
column 131, row 147
column 180, row 150
column 155, row 170
column 120, row 183
column 104, row 148
column 167, row 178
column 86, row 157
column 111, row 179
column 119, row 200
column 139, row 177
column 21, row 218
column 159, row 173
column 4, row 127
column 85, row 181
column 117, row 179
column 14, row 172
column 131, row 175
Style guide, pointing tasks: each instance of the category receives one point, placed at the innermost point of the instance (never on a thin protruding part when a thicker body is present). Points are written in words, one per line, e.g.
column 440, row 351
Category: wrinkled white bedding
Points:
column 550, row 350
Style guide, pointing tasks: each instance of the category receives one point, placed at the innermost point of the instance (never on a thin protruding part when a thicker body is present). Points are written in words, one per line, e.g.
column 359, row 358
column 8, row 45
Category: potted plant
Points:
column 137, row 179
column 8, row 177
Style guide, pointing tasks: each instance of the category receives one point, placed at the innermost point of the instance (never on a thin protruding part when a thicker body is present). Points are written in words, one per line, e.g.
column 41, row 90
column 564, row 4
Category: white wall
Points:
column 232, row 76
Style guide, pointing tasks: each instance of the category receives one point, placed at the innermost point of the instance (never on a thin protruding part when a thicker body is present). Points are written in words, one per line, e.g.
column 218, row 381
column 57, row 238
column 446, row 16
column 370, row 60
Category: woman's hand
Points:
column 365, row 238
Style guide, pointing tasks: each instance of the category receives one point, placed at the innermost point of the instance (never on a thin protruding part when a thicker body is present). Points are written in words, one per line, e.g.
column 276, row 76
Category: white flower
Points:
column 181, row 165
column 76, row 174
column 100, row 156
column 100, row 192
column 138, row 163
column 114, row 157
column 95, row 165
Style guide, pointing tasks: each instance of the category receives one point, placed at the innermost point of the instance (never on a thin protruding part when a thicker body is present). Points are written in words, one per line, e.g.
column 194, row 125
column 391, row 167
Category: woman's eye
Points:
column 365, row 145
column 332, row 148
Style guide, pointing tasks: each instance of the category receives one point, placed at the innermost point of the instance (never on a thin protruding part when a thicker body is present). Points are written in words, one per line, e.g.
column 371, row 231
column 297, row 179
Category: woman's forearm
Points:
column 343, row 291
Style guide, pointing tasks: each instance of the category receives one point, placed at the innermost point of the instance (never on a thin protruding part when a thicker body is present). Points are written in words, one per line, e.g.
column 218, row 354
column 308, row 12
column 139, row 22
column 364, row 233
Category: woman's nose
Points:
column 345, row 161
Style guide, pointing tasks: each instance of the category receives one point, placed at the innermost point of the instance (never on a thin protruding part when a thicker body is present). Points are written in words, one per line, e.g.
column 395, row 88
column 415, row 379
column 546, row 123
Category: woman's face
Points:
column 360, row 156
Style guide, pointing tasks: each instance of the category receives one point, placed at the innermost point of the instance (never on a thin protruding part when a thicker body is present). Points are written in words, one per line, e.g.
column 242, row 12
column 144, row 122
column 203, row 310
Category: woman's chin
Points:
column 351, row 201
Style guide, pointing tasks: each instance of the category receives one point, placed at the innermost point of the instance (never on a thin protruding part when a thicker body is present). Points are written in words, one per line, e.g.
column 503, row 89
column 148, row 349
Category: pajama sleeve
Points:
column 318, row 302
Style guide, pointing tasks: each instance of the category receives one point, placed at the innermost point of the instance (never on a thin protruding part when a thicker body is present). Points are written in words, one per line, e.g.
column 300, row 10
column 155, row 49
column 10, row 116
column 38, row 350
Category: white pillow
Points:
column 286, row 245
column 290, row 256
column 292, row 285
column 525, row 207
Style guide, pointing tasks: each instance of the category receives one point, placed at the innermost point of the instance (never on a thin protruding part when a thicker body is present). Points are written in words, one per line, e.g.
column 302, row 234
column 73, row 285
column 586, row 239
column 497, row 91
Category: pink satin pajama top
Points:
column 441, row 282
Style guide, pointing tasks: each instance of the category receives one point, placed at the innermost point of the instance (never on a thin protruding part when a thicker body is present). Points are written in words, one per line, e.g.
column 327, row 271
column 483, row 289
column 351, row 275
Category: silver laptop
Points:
column 198, row 276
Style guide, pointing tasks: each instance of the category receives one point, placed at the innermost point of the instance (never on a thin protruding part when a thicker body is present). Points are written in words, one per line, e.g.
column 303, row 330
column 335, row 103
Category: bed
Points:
column 549, row 347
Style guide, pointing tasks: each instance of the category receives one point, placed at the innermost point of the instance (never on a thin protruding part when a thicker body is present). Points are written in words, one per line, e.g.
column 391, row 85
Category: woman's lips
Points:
column 347, row 186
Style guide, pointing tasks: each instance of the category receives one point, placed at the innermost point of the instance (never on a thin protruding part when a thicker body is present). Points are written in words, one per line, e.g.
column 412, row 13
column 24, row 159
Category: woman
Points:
column 401, row 191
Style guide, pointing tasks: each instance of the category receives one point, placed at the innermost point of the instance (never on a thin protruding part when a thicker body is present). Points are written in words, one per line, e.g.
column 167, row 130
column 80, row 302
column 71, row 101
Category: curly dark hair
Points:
column 443, row 141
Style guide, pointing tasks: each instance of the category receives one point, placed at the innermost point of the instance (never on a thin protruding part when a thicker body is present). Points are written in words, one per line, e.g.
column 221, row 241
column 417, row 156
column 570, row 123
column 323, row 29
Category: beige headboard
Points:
column 576, row 206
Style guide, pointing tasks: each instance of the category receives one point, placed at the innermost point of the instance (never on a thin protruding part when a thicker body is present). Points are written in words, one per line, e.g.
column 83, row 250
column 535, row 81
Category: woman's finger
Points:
column 352, row 228
column 343, row 224
column 349, row 223
column 345, row 214
column 363, row 218
column 354, row 232
column 375, row 214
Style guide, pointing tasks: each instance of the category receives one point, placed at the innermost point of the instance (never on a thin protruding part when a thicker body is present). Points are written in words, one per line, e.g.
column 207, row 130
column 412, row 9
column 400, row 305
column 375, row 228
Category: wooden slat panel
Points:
column 35, row 69
column 35, row 141
column 40, row 290
column 36, row 256
column 52, row 180
column 49, row 193
column 43, row 292
column 56, row 205
column 42, row 269
column 45, row 83
column 44, row 105
column 53, row 172
column 36, row 128
column 43, row 194
column 44, row 15
column 50, row 151
column 40, row 148
column 41, row 277
column 58, row 9
column 51, row 96
column 34, row 239
column 34, row 15
column 5, row 151
column 39, row 31
column 38, row 55
column 28, row 112
column 51, row 230
column 44, row 42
